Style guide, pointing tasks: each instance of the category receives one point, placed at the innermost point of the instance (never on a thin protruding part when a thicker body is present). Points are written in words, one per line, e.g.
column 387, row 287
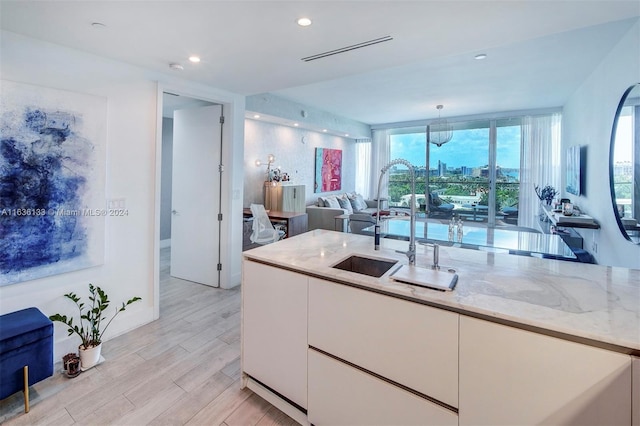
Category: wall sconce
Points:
column 270, row 160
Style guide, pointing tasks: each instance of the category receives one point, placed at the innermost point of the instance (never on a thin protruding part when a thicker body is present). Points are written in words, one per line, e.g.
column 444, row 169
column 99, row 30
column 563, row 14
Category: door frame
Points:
column 232, row 180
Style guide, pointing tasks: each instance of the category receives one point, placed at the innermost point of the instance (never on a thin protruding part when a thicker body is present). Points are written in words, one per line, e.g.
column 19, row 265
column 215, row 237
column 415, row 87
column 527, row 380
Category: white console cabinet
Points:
column 510, row 376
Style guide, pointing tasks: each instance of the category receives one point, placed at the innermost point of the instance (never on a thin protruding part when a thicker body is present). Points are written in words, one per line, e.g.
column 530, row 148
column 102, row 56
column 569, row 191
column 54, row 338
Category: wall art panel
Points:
column 328, row 170
column 52, row 181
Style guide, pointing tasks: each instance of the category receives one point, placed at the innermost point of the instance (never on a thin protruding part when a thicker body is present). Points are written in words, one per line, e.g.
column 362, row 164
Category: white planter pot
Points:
column 89, row 357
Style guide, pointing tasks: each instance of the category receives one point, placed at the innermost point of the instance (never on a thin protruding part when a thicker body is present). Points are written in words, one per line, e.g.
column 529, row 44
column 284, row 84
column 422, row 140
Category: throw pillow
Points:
column 345, row 204
column 357, row 202
column 332, row 202
column 361, row 202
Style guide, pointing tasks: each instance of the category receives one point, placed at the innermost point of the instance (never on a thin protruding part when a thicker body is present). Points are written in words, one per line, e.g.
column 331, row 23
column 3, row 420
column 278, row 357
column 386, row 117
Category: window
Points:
column 478, row 176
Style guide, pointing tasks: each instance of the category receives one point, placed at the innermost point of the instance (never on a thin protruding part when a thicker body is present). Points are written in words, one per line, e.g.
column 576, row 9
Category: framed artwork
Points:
column 52, row 181
column 328, row 176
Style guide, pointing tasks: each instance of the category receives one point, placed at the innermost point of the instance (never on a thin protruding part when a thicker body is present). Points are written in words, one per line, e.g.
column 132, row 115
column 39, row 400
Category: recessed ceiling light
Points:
column 194, row 59
column 324, row 130
column 346, row 134
column 296, row 124
column 481, row 56
column 256, row 116
column 304, row 22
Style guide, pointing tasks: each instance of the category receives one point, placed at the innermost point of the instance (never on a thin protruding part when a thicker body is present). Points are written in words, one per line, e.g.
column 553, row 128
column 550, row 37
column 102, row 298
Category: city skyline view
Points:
column 472, row 143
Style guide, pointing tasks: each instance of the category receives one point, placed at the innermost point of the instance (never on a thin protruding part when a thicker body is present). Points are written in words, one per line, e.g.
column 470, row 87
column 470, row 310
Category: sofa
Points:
column 324, row 216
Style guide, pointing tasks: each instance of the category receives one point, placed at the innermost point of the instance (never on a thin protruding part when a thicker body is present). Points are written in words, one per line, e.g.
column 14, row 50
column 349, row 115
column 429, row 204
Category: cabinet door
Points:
column 341, row 394
column 274, row 329
column 272, row 196
column 293, row 198
column 409, row 343
column 510, row 376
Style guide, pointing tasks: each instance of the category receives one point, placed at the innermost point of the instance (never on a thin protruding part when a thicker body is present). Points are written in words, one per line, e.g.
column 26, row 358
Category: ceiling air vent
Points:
column 348, row 48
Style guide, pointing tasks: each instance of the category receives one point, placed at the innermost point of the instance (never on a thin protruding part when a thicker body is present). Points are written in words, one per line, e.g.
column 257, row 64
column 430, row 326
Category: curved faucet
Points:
column 411, row 253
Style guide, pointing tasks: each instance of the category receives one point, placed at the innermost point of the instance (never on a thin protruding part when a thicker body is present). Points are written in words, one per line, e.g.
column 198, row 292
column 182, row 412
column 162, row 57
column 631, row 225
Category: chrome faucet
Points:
column 436, row 254
column 411, row 253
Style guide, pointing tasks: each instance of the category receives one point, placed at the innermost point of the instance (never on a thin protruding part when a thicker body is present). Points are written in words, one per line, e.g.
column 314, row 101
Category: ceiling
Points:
column 538, row 51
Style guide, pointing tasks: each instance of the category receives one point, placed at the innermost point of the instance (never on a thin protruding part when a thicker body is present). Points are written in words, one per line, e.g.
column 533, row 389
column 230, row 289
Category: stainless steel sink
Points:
column 366, row 265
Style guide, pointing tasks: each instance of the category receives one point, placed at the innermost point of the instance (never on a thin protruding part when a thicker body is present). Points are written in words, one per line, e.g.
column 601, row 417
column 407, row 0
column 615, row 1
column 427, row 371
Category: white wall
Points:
column 132, row 173
column 588, row 120
column 292, row 155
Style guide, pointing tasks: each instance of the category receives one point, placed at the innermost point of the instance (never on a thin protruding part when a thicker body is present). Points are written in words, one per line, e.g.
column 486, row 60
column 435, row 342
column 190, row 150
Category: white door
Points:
column 195, row 200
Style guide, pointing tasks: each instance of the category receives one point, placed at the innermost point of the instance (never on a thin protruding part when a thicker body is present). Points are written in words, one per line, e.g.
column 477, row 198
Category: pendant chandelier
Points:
column 439, row 132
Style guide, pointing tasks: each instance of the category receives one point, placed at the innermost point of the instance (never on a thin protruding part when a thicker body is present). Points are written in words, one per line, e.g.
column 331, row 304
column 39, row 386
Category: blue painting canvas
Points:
column 52, row 177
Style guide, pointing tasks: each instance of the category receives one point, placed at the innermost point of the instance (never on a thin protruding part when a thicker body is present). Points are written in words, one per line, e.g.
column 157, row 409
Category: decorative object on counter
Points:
column 89, row 326
column 270, row 160
column 277, row 175
column 546, row 194
column 567, row 209
column 452, row 225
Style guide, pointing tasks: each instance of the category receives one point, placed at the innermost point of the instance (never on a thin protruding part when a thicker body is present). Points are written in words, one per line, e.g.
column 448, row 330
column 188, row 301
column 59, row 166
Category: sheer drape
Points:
column 380, row 158
column 363, row 167
column 539, row 163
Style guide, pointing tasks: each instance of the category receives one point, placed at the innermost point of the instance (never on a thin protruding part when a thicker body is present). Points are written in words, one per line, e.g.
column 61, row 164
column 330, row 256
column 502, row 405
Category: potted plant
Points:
column 91, row 326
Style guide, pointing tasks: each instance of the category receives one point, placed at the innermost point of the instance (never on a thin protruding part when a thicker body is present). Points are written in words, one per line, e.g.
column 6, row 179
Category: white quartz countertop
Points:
column 592, row 303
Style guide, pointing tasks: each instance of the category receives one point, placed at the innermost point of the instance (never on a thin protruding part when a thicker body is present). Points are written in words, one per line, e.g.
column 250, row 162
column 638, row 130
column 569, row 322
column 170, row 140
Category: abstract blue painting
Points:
column 52, row 176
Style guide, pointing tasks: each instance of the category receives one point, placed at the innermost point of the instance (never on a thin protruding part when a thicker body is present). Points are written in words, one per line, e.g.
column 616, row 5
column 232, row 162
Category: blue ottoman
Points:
column 26, row 351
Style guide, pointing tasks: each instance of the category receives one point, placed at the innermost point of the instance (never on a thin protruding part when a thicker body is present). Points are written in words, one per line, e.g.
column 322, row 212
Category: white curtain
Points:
column 380, row 158
column 539, row 163
column 363, row 167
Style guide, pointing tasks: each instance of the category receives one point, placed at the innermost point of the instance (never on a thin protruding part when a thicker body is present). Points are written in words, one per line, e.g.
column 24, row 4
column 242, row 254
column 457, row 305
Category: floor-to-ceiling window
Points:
column 477, row 171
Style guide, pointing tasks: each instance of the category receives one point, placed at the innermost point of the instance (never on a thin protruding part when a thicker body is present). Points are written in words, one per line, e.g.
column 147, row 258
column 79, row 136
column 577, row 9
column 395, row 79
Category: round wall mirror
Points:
column 624, row 164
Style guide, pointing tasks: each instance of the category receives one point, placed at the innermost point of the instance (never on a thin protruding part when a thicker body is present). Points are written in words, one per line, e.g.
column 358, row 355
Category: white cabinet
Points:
column 408, row 343
column 284, row 198
column 510, row 376
column 341, row 394
column 274, row 329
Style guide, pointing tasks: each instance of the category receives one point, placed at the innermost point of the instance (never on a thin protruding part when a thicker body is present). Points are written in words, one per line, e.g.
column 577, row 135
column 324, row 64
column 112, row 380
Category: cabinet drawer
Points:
column 409, row 343
column 341, row 394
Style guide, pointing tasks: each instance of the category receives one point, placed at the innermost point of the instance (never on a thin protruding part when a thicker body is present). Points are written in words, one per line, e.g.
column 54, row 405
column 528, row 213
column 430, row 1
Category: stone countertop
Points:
column 593, row 304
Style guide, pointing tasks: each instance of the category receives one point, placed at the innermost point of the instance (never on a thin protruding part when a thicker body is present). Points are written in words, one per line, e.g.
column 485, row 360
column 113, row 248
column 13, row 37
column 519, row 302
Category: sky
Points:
column 467, row 148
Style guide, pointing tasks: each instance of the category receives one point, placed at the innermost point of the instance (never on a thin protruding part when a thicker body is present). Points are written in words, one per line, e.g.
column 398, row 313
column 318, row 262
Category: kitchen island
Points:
column 520, row 340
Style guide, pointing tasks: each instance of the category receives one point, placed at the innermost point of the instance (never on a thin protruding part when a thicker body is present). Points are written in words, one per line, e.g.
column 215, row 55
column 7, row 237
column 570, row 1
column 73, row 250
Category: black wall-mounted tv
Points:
column 575, row 169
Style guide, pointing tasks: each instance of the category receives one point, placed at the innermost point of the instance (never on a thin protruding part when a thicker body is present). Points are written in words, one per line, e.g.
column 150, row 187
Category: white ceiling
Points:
column 539, row 51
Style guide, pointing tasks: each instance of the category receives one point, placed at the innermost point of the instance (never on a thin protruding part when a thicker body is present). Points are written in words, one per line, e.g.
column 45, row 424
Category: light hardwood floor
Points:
column 183, row 369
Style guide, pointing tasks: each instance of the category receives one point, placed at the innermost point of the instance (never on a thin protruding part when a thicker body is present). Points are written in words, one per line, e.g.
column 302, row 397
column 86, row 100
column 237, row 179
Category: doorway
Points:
column 190, row 187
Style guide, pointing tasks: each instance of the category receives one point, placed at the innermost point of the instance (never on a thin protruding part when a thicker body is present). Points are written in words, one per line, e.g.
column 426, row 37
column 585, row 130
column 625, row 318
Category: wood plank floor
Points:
column 183, row 369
